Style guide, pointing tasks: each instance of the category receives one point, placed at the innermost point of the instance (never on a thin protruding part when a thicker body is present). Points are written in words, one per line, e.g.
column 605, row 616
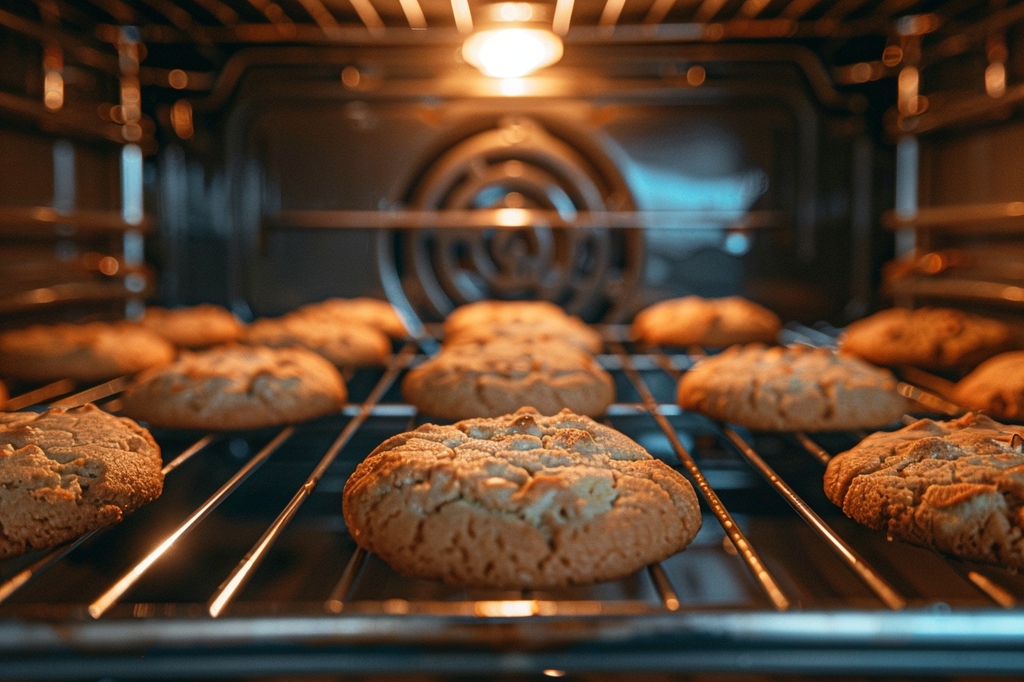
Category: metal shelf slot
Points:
column 744, row 549
column 240, row 575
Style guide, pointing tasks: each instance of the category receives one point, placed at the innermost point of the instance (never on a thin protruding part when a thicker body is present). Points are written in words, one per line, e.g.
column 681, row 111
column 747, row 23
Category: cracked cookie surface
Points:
column 795, row 388
column 932, row 338
column 86, row 352
column 995, row 387
column 714, row 322
column 198, row 326
column 957, row 486
column 365, row 311
column 343, row 343
column 64, row 473
column 472, row 380
column 519, row 501
column 237, row 387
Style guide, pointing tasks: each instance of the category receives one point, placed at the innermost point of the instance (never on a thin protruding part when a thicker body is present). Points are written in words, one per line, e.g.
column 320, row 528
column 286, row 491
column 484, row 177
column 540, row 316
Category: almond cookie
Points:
column 791, row 389
column 995, row 387
column 344, row 344
column 492, row 313
column 368, row 312
column 85, row 352
column 65, row 473
column 696, row 321
column 195, row 327
column 236, row 387
column 520, row 501
column 565, row 329
column 931, row 338
column 957, row 486
column 487, row 381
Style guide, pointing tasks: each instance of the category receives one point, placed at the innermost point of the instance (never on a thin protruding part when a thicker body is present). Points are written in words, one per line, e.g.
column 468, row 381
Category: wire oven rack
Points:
column 243, row 566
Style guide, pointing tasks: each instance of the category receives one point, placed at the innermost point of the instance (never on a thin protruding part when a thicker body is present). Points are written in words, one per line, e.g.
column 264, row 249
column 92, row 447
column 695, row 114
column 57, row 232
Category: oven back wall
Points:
column 742, row 184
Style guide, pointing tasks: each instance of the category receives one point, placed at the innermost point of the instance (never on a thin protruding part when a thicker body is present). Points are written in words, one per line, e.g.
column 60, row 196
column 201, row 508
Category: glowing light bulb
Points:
column 512, row 52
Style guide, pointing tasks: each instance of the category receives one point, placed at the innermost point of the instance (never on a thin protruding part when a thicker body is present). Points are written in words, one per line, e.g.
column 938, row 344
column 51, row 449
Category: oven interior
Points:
column 823, row 158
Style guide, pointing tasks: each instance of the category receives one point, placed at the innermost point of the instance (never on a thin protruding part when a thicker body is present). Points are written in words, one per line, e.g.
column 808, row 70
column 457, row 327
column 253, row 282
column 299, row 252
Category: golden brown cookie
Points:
column 957, row 486
column 491, row 380
column 236, row 387
column 344, row 344
column 198, row 326
column 713, row 322
column 487, row 314
column 85, row 352
column 564, row 329
column 931, row 338
column 519, row 501
column 791, row 389
column 995, row 387
column 64, row 473
column 368, row 312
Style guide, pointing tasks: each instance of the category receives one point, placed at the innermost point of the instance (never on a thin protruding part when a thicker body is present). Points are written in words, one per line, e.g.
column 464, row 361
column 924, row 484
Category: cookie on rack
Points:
column 795, row 388
column 490, row 313
column 236, row 387
column 84, row 352
column 344, row 344
column 930, row 338
column 468, row 380
column 521, row 501
column 564, row 328
column 957, row 486
column 995, row 387
column 697, row 321
column 368, row 312
column 65, row 473
column 197, row 326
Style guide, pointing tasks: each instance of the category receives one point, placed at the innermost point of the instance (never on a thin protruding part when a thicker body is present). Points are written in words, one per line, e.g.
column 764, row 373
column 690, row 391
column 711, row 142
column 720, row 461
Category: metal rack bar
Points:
column 414, row 14
column 1006, row 216
column 14, row 583
column 114, row 593
column 517, row 217
column 661, row 582
column 336, row 601
column 854, row 561
column 91, row 395
column 39, row 395
column 240, row 575
column 744, row 548
column 813, row 447
column 321, row 15
column 563, row 16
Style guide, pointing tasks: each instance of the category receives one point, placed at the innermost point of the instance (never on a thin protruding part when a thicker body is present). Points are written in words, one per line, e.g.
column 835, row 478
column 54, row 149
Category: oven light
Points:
column 512, row 52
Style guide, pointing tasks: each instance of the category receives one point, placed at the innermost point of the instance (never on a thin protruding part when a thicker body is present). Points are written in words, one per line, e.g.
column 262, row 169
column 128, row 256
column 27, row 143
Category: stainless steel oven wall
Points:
column 712, row 171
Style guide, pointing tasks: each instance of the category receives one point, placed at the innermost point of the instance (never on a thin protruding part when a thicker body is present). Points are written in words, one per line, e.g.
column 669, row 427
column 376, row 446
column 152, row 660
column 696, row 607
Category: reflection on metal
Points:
column 321, row 15
column 853, row 560
column 181, row 119
column 414, row 14
column 610, row 13
column 563, row 16
column 463, row 18
column 369, row 16
column 960, row 218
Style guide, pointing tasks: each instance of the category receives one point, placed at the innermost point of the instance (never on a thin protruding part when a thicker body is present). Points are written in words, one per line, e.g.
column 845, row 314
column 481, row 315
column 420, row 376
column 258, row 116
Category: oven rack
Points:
column 244, row 566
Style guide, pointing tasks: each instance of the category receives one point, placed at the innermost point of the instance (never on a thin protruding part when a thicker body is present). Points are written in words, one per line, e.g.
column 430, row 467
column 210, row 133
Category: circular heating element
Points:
column 518, row 166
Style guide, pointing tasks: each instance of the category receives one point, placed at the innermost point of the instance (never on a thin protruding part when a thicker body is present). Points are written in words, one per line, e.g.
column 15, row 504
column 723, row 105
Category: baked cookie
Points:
column 931, row 338
column 957, row 486
column 236, row 387
column 995, row 387
column 344, row 344
column 195, row 327
column 565, row 329
column 696, row 321
column 519, row 501
column 85, row 352
column 65, row 473
column 368, row 312
column 491, row 313
column 795, row 388
column 473, row 381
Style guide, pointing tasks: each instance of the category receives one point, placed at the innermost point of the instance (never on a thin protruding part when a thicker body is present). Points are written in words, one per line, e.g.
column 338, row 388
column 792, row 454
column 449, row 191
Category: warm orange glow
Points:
column 512, row 52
